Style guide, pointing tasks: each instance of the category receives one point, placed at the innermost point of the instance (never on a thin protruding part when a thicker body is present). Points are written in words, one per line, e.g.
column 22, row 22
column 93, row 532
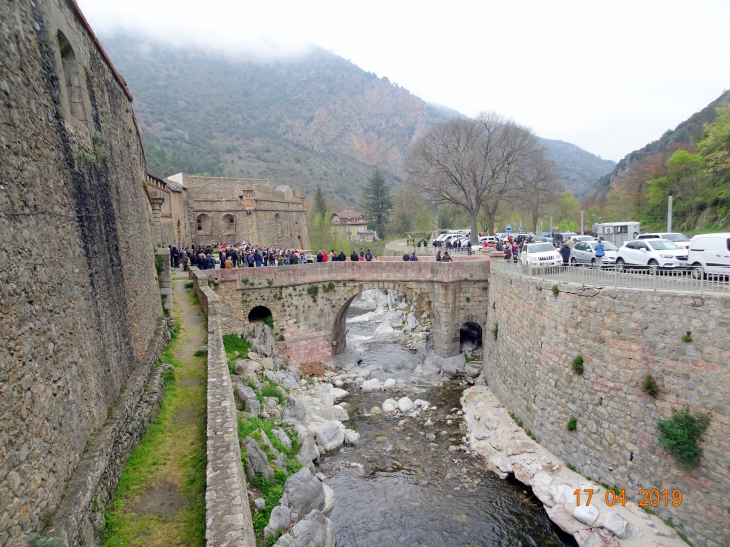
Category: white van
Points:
column 710, row 254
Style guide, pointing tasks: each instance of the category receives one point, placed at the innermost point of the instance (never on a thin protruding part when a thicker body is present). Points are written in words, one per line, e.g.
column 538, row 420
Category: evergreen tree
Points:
column 320, row 206
column 377, row 202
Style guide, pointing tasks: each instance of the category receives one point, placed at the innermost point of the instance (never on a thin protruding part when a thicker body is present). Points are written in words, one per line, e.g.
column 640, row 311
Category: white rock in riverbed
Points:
column 387, row 408
column 330, row 435
column 370, row 385
column 352, row 437
column 389, row 383
column 405, row 404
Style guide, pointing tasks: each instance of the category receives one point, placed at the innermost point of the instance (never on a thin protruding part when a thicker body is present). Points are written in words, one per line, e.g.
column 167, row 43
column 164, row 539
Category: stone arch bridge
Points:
column 309, row 303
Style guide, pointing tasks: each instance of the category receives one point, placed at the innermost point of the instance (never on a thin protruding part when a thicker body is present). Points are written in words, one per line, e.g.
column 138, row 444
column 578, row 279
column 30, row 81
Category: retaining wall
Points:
column 623, row 336
column 227, row 512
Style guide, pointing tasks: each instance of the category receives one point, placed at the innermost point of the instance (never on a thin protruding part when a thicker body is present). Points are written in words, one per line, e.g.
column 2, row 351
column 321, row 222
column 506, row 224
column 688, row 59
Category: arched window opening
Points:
column 261, row 314
column 228, row 224
column 73, row 78
column 277, row 222
column 470, row 336
column 203, row 223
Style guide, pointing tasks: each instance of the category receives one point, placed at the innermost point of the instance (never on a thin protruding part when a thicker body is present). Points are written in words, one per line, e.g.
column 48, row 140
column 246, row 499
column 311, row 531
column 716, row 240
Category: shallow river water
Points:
column 400, row 488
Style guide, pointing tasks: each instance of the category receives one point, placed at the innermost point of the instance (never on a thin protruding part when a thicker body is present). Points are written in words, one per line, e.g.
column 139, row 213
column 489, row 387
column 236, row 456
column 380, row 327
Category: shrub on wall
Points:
column 687, row 337
column 572, row 424
column 556, row 290
column 495, row 330
column 680, row 436
column 578, row 364
column 650, row 386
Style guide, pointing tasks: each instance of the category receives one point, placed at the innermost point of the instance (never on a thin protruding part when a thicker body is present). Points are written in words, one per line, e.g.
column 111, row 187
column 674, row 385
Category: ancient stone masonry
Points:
column 227, row 513
column 227, row 210
column 79, row 518
column 623, row 336
column 78, row 284
column 309, row 303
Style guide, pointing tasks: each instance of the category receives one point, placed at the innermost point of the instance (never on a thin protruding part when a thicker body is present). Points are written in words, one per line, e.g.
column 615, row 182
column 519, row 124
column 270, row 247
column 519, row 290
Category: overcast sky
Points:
column 607, row 75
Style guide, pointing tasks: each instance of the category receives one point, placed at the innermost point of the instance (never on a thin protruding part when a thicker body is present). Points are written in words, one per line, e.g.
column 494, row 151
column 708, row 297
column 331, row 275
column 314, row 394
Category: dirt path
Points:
column 161, row 496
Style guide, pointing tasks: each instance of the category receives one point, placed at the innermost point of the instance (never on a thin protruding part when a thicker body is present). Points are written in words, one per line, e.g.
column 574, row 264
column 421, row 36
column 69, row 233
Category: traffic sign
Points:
column 520, row 228
column 494, row 231
column 509, row 229
column 514, row 224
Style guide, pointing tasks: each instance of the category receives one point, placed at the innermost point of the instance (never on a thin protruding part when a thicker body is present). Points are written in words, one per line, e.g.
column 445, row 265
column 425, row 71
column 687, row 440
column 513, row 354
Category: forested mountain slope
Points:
column 685, row 136
column 316, row 120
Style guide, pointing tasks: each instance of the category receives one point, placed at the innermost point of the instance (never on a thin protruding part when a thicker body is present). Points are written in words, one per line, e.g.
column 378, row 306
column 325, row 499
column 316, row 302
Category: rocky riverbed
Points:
column 389, row 445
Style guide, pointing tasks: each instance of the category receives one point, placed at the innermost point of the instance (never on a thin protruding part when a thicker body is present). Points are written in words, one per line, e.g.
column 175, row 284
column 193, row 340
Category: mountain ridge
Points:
column 317, row 120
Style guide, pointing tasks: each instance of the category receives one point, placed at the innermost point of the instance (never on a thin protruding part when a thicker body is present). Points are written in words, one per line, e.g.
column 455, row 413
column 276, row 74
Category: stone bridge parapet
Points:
column 309, row 303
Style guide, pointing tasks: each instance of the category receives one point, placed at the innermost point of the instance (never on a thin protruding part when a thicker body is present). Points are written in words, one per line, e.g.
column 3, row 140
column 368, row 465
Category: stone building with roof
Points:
column 209, row 210
column 352, row 226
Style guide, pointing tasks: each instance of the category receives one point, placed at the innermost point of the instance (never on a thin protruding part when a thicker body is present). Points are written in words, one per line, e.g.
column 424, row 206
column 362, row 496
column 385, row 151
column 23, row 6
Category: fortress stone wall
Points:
column 623, row 335
column 80, row 302
column 228, row 210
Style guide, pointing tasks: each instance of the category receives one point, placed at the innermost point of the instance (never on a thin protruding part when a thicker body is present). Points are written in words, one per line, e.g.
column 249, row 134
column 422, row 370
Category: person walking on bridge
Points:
column 354, row 257
column 368, row 256
column 600, row 253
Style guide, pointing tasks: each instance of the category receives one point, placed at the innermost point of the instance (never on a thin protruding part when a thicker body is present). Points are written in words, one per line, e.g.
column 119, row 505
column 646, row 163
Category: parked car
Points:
column 584, row 252
column 583, row 238
column 709, row 254
column 653, row 254
column 679, row 239
column 540, row 255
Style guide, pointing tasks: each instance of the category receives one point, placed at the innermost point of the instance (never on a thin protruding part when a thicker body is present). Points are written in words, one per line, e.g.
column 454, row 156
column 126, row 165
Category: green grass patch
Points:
column 233, row 342
column 269, row 321
column 167, row 451
column 495, row 330
column 571, row 467
column 687, row 337
column 468, row 358
column 201, row 353
column 578, row 364
column 572, row 424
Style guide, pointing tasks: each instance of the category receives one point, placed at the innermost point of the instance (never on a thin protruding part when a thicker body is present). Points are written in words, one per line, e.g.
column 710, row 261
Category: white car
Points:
column 540, row 255
column 583, row 238
column 652, row 254
column 709, row 254
column 679, row 239
column 584, row 252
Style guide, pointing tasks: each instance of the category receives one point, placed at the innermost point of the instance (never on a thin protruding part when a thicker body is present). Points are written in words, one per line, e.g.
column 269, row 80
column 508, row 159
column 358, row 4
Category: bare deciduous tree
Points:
column 475, row 162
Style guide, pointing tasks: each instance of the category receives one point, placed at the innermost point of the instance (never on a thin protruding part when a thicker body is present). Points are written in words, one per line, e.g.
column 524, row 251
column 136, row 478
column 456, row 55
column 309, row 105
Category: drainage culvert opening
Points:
column 470, row 336
column 260, row 314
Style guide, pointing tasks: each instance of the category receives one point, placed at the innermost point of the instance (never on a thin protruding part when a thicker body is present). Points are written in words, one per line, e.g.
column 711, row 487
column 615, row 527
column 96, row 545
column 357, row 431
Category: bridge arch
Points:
column 469, row 327
column 339, row 326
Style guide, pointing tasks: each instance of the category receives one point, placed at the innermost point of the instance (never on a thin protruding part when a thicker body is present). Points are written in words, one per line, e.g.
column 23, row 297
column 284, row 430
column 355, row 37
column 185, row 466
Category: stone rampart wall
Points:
column 623, row 336
column 227, row 513
column 79, row 518
column 78, row 281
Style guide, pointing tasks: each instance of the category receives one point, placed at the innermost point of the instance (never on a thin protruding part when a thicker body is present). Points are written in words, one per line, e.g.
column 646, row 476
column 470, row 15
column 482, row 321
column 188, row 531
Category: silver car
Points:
column 584, row 252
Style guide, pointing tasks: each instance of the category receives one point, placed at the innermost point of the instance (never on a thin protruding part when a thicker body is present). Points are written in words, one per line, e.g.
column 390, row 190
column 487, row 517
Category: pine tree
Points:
column 320, row 206
column 377, row 202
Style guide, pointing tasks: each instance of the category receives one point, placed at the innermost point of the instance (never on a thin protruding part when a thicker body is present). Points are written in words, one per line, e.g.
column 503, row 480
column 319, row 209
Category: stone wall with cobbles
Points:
column 227, row 512
column 623, row 336
column 80, row 300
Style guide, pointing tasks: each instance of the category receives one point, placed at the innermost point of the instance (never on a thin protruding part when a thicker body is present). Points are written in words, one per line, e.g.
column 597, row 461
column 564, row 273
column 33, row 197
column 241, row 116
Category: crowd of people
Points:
column 245, row 255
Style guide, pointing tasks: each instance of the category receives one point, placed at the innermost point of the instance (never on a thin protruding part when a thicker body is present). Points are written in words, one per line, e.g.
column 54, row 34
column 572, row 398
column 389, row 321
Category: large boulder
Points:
column 280, row 518
column 257, row 460
column 277, row 458
column 289, row 378
column 261, row 339
column 303, row 493
column 247, row 397
column 295, row 413
column 243, row 367
column 282, row 437
column 308, row 452
column 315, row 530
column 330, row 435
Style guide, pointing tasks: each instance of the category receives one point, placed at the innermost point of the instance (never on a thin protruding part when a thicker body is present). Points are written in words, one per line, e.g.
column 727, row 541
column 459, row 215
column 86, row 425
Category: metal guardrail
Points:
column 645, row 278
